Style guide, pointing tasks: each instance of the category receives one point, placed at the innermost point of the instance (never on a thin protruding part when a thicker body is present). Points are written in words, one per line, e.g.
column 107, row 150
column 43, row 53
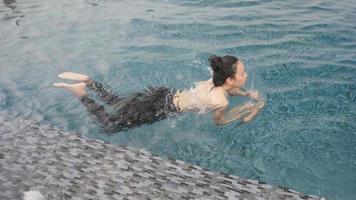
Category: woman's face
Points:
column 240, row 76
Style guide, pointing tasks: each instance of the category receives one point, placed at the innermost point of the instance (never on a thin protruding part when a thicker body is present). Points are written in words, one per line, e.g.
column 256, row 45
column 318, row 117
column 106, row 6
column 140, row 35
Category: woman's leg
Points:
column 110, row 123
column 104, row 94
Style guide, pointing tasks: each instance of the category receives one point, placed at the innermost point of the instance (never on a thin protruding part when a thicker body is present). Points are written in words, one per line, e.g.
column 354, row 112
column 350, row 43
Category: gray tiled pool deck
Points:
column 66, row 166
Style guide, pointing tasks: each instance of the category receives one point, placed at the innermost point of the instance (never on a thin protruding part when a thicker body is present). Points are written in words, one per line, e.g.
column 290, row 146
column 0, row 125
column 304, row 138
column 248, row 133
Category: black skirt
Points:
column 153, row 104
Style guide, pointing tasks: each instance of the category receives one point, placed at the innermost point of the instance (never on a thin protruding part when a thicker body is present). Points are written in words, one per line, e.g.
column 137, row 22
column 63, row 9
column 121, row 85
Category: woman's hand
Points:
column 252, row 115
column 254, row 111
column 253, row 94
column 260, row 104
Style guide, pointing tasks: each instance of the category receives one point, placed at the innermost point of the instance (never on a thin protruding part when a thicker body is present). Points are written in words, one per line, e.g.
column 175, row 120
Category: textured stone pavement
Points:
column 66, row 166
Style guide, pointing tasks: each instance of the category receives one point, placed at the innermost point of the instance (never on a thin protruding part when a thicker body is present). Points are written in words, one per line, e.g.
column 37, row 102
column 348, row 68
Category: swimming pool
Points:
column 300, row 55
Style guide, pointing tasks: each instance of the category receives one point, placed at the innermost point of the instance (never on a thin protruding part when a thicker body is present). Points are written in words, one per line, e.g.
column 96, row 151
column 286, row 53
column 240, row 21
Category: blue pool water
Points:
column 301, row 55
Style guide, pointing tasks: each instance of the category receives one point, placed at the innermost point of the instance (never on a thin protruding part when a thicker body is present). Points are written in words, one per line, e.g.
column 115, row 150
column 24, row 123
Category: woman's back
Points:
column 202, row 96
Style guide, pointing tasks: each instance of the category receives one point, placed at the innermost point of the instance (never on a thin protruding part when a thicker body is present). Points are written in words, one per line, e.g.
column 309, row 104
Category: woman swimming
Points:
column 157, row 103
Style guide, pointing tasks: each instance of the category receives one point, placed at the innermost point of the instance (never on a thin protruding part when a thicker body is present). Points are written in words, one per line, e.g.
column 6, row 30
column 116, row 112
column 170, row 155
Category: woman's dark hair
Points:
column 223, row 68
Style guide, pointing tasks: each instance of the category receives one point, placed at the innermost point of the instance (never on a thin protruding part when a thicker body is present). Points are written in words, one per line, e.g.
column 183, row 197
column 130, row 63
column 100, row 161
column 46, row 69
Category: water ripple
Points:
column 299, row 55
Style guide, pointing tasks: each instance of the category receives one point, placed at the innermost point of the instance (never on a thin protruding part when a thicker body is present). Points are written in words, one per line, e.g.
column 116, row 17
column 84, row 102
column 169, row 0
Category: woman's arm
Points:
column 238, row 92
column 253, row 94
column 222, row 116
column 245, row 113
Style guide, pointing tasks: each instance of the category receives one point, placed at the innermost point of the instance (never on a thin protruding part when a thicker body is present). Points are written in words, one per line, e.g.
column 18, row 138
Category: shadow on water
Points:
column 15, row 12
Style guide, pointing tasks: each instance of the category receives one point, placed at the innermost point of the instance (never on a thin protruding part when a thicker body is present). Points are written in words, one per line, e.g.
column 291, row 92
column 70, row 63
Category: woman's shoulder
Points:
column 218, row 97
column 204, row 83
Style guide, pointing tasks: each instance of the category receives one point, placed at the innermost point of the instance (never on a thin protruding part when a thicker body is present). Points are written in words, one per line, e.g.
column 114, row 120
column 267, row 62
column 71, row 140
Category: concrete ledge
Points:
column 67, row 166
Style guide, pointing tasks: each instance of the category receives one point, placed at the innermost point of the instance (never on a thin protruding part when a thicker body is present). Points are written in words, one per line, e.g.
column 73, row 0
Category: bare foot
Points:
column 78, row 89
column 75, row 77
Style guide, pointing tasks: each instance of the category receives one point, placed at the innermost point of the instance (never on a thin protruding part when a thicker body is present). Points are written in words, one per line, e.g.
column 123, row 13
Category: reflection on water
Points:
column 10, row 4
column 16, row 13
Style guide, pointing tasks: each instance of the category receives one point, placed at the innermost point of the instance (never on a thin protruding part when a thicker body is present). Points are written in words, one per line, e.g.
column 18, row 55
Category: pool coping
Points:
column 62, row 165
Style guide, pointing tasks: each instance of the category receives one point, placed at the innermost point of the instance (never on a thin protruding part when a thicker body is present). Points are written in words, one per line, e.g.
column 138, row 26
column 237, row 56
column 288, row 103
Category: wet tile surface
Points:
column 66, row 166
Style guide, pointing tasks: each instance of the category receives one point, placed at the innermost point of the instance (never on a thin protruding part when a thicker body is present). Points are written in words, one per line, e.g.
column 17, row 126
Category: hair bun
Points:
column 216, row 63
